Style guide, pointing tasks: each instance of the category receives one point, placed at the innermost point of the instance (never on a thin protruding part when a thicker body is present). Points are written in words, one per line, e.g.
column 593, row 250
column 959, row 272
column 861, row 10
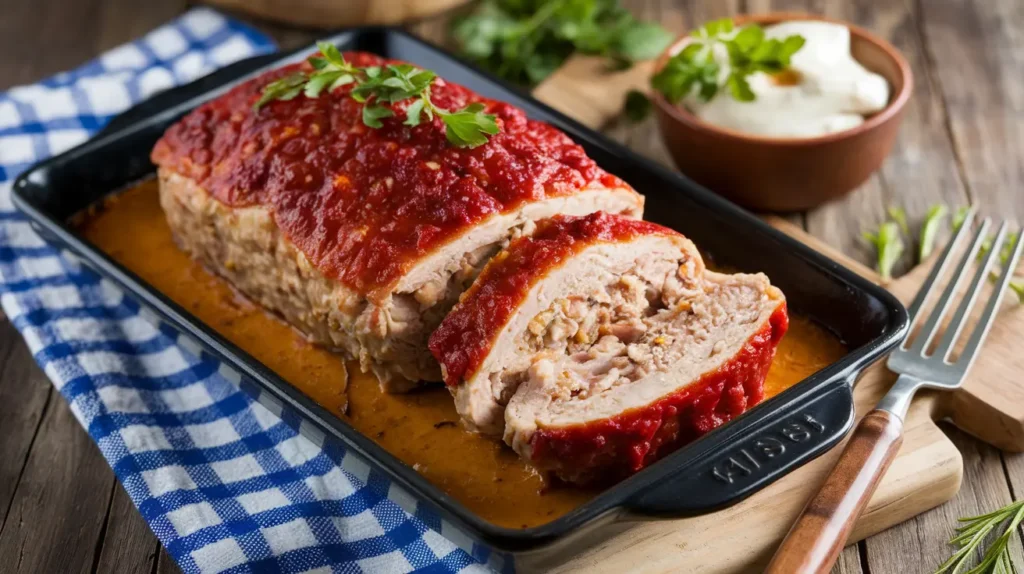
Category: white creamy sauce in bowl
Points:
column 823, row 91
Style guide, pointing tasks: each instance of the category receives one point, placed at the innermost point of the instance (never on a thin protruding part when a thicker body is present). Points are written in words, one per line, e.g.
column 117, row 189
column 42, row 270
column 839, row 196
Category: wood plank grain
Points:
column 921, row 170
column 166, row 564
column 120, row 21
column 919, row 545
column 973, row 47
column 849, row 561
column 39, row 38
column 58, row 508
column 24, row 394
column 58, row 511
column 128, row 545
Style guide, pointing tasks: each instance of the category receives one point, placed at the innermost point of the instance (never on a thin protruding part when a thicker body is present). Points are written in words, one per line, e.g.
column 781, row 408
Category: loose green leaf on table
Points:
column 898, row 215
column 524, row 41
column 638, row 106
column 695, row 67
column 889, row 246
column 1017, row 285
column 959, row 216
column 930, row 229
column 375, row 86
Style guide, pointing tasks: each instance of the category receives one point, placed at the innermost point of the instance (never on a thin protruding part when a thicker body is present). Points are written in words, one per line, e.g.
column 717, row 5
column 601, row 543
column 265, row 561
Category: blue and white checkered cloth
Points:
column 224, row 483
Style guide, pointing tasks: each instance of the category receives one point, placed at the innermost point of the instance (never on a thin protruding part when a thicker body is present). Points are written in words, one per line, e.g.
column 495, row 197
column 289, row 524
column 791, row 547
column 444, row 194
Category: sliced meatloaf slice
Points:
column 364, row 238
column 601, row 343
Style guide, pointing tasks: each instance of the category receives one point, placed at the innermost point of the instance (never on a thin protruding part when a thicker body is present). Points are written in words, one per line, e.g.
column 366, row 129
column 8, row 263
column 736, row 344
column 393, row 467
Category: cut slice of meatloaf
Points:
column 364, row 238
column 601, row 343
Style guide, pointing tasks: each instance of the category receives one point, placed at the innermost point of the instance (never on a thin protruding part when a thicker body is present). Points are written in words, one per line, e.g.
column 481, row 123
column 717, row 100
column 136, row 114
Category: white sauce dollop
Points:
column 832, row 91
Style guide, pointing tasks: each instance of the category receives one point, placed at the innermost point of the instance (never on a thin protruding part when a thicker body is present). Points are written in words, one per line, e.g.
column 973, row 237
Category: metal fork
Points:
column 819, row 534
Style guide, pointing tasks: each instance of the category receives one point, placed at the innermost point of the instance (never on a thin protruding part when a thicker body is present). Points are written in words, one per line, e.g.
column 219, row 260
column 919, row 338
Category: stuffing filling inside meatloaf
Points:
column 582, row 348
column 614, row 335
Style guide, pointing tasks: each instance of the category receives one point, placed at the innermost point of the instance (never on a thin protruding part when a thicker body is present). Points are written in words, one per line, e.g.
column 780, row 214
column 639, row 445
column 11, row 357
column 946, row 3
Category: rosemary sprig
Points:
column 376, row 86
column 971, row 535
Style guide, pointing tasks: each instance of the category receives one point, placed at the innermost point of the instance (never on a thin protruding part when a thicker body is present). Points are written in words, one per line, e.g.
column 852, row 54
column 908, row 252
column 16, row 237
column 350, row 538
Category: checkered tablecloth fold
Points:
column 225, row 483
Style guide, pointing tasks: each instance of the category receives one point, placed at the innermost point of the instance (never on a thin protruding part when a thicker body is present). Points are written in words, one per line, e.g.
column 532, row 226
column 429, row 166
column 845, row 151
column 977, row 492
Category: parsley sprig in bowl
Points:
column 768, row 173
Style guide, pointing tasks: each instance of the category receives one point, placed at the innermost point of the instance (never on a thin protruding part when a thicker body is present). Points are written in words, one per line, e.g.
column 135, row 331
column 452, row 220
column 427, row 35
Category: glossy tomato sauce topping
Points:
column 365, row 204
column 464, row 338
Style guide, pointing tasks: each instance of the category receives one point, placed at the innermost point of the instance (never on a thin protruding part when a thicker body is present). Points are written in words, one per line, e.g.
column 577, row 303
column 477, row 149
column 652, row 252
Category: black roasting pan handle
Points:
column 750, row 453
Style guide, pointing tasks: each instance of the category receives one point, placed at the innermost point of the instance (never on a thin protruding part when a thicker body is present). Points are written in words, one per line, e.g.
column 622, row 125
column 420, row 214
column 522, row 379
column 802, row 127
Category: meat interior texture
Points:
column 615, row 346
column 364, row 238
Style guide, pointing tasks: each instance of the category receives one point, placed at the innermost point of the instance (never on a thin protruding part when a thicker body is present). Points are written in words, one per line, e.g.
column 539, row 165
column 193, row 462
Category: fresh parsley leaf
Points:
column 638, row 106
column 889, row 246
column 749, row 37
column 739, row 88
column 284, row 89
column 695, row 67
column 413, row 112
column 715, row 28
column 469, row 127
column 642, row 41
column 375, row 86
column 791, row 45
column 373, row 114
column 524, row 41
column 930, row 229
column 331, row 54
column 330, row 80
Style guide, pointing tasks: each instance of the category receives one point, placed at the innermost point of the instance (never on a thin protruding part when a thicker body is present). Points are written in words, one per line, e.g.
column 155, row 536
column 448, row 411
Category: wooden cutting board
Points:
column 927, row 471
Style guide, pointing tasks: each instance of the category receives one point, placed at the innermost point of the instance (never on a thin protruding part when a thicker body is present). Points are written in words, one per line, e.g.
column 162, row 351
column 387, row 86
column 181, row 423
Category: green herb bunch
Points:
column 375, row 86
column 971, row 535
column 524, row 41
column 889, row 245
column 695, row 67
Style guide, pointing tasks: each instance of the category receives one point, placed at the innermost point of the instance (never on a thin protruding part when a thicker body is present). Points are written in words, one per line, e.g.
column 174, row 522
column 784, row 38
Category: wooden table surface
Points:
column 61, row 509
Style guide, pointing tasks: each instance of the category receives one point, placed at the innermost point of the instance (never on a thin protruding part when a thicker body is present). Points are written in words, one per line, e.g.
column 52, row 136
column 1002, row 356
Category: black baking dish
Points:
column 717, row 470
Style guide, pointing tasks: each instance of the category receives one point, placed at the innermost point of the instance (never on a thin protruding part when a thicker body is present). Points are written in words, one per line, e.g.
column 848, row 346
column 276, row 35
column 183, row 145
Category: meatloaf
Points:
column 601, row 343
column 364, row 238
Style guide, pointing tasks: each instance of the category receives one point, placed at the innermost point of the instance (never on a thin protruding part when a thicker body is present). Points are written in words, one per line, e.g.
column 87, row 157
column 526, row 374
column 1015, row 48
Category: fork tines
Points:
column 916, row 351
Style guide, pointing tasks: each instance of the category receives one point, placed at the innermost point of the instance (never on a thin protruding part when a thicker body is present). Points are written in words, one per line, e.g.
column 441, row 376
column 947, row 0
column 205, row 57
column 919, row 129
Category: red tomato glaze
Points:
column 464, row 338
column 365, row 204
column 610, row 449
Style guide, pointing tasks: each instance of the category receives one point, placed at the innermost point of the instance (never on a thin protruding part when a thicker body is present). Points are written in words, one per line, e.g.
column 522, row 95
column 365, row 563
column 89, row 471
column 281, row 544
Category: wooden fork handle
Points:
column 817, row 538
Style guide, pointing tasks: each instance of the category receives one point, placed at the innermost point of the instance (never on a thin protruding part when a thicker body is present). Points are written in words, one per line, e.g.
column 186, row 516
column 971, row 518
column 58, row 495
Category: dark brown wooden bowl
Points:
column 788, row 174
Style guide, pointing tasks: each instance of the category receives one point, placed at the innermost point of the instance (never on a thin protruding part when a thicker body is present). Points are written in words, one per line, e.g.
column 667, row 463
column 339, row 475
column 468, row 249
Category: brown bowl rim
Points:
column 896, row 104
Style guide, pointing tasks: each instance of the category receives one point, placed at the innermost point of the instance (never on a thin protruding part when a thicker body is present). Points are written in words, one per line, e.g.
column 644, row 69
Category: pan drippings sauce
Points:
column 420, row 428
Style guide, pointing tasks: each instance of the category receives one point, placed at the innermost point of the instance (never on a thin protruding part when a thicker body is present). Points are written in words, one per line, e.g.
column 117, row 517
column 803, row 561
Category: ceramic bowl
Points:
column 788, row 174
